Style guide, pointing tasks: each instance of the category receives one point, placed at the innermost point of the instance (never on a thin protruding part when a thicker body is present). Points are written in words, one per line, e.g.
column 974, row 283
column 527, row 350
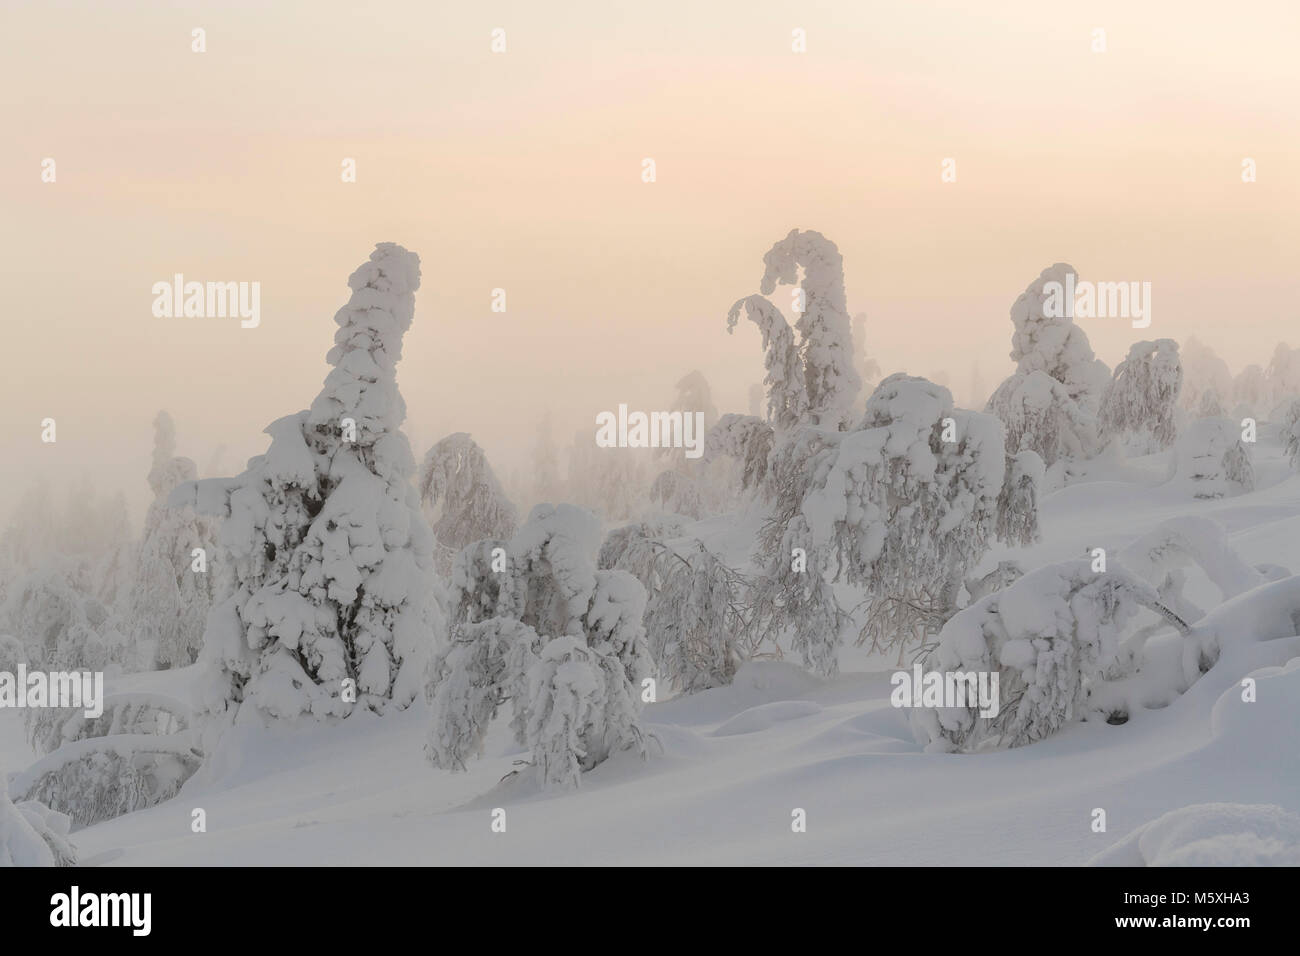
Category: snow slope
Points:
column 734, row 762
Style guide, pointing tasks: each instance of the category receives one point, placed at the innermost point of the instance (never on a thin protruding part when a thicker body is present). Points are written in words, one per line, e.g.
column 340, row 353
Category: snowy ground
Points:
column 737, row 761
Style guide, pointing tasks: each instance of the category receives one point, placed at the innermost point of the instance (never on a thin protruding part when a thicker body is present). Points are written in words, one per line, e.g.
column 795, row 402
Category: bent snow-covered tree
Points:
column 535, row 625
column 458, row 484
column 815, row 381
column 1049, row 404
column 1141, row 399
column 331, row 557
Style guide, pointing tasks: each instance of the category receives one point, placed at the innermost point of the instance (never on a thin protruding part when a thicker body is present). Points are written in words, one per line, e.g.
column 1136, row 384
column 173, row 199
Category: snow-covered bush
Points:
column 1049, row 404
column 537, row 625
column 463, row 494
column 331, row 558
column 1017, row 522
column 100, row 778
column 1140, row 400
column 1213, row 460
column 1049, row 636
column 814, row 381
column 696, row 610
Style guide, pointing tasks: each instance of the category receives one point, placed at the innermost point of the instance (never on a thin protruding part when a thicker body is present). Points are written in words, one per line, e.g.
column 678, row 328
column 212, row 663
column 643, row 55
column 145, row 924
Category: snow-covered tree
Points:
column 813, row 381
column 1049, row 404
column 1049, row 637
column 463, row 494
column 1290, row 422
column 610, row 482
column 1250, row 393
column 1140, row 400
column 904, row 506
column 1283, row 373
column 1213, row 460
column 1203, row 371
column 688, row 487
column 1017, row 522
column 537, row 625
column 868, row 369
column 331, row 558
column 1210, row 405
column 745, row 439
column 696, row 610
column 171, row 595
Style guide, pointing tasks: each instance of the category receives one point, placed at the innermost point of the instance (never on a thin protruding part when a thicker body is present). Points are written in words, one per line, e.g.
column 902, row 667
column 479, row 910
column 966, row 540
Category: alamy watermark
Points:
column 651, row 430
column 84, row 689
column 918, row 688
column 208, row 300
column 1098, row 300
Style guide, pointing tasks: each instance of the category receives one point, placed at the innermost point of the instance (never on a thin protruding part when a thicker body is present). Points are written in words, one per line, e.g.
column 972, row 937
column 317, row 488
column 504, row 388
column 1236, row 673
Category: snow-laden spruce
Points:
column 331, row 558
column 1049, row 404
column 814, row 381
column 170, row 599
column 463, row 494
column 1290, row 422
column 696, row 613
column 1140, row 401
column 694, row 488
column 534, row 624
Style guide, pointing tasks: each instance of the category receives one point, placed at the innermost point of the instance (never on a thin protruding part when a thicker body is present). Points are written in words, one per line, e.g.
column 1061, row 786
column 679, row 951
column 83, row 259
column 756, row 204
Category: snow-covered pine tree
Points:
column 1017, row 522
column 331, row 557
column 547, row 632
column 1049, row 404
column 1140, row 400
column 1250, row 393
column 170, row 600
column 1210, row 404
column 1283, row 373
column 463, row 494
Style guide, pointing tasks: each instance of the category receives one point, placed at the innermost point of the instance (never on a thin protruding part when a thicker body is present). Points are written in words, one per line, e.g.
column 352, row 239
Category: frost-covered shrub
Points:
column 105, row 777
column 1213, row 460
column 1049, row 636
column 534, row 623
column 330, row 557
column 695, row 613
column 458, row 485
column 1140, row 400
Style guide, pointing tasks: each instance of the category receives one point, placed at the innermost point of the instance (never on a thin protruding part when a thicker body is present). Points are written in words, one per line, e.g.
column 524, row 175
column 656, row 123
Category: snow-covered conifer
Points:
column 331, row 557
column 1203, row 371
column 1017, row 522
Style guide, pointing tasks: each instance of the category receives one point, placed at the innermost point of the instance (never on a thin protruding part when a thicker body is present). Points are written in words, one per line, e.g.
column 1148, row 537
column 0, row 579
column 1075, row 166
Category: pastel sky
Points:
column 522, row 171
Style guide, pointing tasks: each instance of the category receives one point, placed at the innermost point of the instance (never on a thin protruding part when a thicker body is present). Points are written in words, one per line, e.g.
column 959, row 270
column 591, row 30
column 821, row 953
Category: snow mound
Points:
column 1211, row 834
column 765, row 715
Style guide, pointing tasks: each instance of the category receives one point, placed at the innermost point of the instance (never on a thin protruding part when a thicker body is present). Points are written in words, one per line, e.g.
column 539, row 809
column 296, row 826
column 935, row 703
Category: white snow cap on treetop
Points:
column 362, row 386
